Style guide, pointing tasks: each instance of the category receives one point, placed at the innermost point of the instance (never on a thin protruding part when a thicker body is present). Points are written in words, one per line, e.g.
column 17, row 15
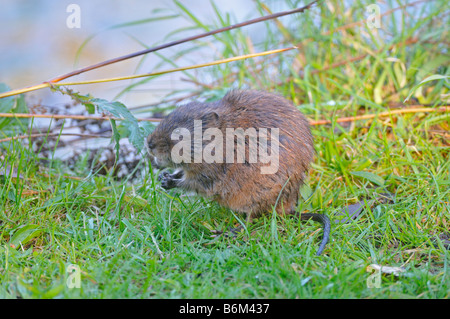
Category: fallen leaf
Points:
column 371, row 177
column 385, row 269
column 350, row 212
column 29, row 192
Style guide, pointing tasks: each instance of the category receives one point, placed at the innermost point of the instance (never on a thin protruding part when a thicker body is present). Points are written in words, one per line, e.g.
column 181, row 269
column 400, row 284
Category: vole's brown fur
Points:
column 240, row 186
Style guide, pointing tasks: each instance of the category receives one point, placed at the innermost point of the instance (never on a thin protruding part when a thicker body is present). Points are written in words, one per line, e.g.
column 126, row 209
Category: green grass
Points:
column 137, row 241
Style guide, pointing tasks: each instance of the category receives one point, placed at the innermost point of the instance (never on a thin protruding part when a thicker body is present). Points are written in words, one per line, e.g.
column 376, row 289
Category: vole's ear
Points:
column 211, row 118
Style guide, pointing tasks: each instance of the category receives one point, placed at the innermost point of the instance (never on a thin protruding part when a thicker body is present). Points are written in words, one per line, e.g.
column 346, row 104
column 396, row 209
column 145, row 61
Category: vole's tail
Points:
column 321, row 218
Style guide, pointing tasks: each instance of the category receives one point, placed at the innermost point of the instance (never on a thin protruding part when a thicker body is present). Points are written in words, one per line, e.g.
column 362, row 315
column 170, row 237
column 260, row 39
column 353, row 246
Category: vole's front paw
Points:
column 168, row 183
column 167, row 180
column 163, row 175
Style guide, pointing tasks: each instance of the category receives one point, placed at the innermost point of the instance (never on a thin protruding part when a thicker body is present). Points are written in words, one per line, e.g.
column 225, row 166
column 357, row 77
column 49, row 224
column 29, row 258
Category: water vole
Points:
column 249, row 151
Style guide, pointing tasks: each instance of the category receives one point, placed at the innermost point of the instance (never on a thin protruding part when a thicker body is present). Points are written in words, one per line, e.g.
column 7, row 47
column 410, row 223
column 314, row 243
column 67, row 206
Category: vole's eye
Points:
column 151, row 145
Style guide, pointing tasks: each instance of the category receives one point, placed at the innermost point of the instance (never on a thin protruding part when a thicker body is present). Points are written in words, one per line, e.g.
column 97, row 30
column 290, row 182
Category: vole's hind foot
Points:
column 231, row 233
column 169, row 181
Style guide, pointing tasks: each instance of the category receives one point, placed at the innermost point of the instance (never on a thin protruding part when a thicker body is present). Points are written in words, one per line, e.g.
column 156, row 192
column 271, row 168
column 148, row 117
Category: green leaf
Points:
column 90, row 108
column 371, row 177
column 24, row 235
column 6, row 104
column 428, row 79
column 147, row 128
column 136, row 134
column 117, row 109
column 306, row 192
column 129, row 127
column 53, row 292
column 378, row 89
column 431, row 65
column 116, row 137
column 132, row 228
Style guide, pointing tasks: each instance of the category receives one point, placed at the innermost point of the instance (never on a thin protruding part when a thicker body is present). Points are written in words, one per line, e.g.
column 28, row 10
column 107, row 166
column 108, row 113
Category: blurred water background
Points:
column 37, row 45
